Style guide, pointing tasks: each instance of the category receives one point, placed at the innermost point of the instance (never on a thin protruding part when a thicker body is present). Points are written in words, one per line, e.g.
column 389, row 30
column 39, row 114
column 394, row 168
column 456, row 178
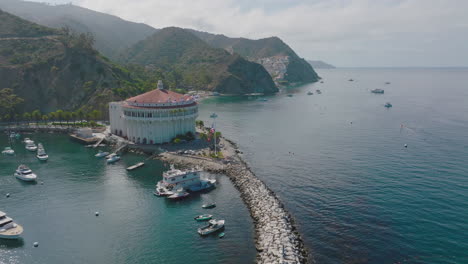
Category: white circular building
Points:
column 153, row 117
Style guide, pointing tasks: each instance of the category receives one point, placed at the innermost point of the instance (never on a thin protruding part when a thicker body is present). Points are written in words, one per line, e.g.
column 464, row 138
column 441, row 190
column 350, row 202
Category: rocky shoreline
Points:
column 276, row 237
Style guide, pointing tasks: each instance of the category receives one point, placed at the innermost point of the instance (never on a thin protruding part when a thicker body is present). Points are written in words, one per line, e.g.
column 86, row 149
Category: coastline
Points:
column 276, row 236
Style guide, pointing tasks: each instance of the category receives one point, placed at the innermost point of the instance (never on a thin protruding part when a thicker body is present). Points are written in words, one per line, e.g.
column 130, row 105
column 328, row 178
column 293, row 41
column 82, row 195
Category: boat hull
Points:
column 42, row 158
column 13, row 233
column 31, row 178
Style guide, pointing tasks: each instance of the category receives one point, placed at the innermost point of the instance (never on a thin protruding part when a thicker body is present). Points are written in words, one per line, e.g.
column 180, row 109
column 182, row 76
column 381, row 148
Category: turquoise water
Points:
column 338, row 162
column 134, row 226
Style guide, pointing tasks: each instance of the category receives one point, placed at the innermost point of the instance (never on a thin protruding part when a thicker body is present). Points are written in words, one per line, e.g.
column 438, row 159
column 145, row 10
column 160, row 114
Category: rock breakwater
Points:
column 277, row 240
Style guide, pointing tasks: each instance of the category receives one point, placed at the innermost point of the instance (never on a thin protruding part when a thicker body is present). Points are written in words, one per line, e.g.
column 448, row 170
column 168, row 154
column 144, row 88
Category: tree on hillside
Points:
column 9, row 102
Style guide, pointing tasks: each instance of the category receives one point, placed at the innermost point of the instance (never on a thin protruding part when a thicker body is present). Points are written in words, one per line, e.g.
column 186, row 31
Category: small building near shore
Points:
column 154, row 117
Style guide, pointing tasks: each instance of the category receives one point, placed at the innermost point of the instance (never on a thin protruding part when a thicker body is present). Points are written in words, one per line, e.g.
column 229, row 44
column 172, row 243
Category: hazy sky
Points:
column 341, row 32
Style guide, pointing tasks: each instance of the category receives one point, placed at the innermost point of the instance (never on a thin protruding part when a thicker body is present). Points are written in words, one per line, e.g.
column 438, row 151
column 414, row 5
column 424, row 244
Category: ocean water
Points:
column 134, row 226
column 338, row 161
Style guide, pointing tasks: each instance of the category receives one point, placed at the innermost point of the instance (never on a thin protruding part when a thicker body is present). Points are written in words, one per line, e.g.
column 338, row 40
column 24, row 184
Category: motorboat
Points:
column 203, row 217
column 101, row 154
column 208, row 205
column 351, row 80
column 310, row 93
column 180, row 194
column 24, row 173
column 27, row 140
column 290, row 95
column 388, row 105
column 41, row 153
column 31, row 146
column 190, row 180
column 213, row 226
column 15, row 135
column 8, row 151
column 221, row 235
column 377, row 91
column 318, row 91
column 387, row 82
column 8, row 228
column 113, row 158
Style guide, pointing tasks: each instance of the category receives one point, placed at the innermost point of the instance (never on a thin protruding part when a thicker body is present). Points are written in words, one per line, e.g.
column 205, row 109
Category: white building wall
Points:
column 159, row 128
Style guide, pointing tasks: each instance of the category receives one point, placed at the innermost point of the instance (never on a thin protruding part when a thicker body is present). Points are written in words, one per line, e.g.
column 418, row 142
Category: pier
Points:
column 277, row 240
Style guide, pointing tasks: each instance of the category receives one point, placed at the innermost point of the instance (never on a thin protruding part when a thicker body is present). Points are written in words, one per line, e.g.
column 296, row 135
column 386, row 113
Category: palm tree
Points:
column 27, row 117
column 36, row 116
column 59, row 116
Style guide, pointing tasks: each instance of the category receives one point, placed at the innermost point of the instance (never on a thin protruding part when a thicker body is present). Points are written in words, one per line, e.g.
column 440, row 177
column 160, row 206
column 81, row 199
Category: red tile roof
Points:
column 158, row 96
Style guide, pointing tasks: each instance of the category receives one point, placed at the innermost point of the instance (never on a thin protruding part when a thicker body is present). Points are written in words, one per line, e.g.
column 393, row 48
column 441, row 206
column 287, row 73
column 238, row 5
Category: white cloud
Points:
column 344, row 32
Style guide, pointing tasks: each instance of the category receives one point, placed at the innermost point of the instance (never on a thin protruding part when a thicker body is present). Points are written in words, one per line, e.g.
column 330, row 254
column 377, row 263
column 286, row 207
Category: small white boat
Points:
column 41, row 154
column 8, row 228
column 213, row 226
column 101, row 154
column 27, row 140
column 378, row 91
column 113, row 158
column 180, row 194
column 8, row 151
column 31, row 146
column 24, row 173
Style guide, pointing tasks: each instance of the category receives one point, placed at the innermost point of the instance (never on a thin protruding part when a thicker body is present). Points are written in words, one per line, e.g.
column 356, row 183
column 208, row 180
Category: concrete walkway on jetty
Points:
column 277, row 240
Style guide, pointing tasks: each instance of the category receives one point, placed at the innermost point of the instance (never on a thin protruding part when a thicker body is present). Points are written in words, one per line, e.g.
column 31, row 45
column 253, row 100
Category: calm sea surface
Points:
column 338, row 162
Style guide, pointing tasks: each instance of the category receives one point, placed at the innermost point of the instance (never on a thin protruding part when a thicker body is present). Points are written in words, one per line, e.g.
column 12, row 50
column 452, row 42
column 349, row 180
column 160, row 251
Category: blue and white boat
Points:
column 101, row 154
column 113, row 158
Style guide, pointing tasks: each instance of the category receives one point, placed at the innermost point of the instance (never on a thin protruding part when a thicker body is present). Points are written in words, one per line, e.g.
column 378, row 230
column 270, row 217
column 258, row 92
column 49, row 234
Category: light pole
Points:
column 213, row 127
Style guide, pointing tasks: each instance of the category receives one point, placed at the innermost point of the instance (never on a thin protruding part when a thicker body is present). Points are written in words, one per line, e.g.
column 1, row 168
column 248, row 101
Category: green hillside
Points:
column 112, row 34
column 56, row 69
column 272, row 49
column 197, row 65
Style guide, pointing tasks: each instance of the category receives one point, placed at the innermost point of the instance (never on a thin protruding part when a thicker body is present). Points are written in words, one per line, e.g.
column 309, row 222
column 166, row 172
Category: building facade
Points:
column 154, row 117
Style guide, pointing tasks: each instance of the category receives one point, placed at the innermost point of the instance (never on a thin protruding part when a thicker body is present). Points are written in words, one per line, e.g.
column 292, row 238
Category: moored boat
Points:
column 113, row 158
column 8, row 151
column 388, row 105
column 41, row 153
column 101, row 154
column 208, row 205
column 8, row 228
column 180, row 194
column 31, row 146
column 290, row 95
column 377, row 91
column 318, row 91
column 187, row 180
column 24, row 173
column 213, row 226
column 310, row 93
column 203, row 217
column 27, row 140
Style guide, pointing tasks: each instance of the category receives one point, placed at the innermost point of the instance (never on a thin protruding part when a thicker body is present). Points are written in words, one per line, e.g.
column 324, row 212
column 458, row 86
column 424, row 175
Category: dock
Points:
column 136, row 166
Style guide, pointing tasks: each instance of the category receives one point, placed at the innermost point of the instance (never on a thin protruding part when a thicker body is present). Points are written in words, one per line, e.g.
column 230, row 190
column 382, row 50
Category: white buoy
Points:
column 406, row 145
column 96, row 213
column 36, row 244
column 7, row 195
column 42, row 183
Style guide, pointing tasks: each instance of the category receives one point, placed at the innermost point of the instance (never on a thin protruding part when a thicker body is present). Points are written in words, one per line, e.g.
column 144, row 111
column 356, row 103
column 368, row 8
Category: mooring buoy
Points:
column 36, row 244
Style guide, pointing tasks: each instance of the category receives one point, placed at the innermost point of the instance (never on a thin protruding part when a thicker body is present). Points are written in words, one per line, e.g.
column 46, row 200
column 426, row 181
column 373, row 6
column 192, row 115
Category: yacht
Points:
column 8, row 228
column 378, row 91
column 8, row 151
column 101, row 154
column 27, row 140
column 180, row 194
column 41, row 154
column 31, row 146
column 113, row 158
column 213, row 226
column 24, row 173
column 187, row 180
